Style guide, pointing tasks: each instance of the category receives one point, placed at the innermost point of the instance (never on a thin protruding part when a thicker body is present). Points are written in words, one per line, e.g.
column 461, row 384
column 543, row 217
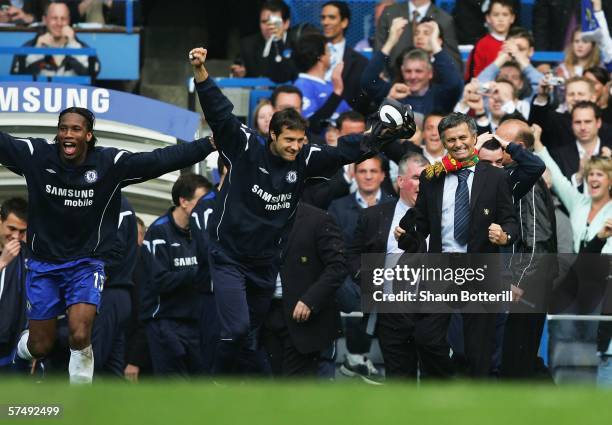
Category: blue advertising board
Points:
column 105, row 104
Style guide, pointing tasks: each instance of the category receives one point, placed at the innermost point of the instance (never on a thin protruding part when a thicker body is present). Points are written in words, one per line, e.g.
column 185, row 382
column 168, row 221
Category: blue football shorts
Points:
column 53, row 287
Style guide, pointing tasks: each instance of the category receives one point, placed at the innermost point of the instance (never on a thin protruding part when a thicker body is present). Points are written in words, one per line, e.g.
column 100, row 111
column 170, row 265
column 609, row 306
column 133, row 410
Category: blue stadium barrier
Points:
column 77, row 79
column 85, row 51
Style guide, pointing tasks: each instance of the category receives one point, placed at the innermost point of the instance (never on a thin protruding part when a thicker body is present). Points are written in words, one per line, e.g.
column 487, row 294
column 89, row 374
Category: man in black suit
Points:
column 422, row 8
column 335, row 19
column 464, row 206
column 586, row 125
column 369, row 176
column 410, row 343
column 303, row 317
column 266, row 53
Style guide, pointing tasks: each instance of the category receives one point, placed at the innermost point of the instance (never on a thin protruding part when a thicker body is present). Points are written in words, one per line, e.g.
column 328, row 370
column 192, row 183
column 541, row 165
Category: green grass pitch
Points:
column 313, row 403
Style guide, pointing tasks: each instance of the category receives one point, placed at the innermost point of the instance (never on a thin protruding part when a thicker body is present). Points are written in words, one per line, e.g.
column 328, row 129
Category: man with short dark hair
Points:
column 285, row 96
column 312, row 58
column 171, row 299
column 586, row 127
column 335, row 20
column 463, row 206
column 75, row 182
column 257, row 206
column 556, row 122
column 13, row 227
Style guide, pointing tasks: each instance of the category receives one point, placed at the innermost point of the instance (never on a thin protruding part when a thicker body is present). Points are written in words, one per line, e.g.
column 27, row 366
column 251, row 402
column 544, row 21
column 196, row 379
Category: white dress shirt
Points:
column 337, row 53
column 451, row 181
column 362, row 202
column 421, row 9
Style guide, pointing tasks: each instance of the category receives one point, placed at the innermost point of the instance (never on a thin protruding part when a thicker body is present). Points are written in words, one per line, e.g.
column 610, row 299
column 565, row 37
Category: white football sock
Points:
column 81, row 366
column 22, row 346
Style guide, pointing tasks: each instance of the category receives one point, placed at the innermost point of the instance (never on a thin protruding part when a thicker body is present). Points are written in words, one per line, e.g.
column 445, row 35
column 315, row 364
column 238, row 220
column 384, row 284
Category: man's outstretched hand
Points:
column 197, row 58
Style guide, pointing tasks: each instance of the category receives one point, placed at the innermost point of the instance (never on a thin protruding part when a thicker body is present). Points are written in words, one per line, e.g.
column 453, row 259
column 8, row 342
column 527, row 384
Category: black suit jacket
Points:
column 354, row 64
column 251, row 50
column 490, row 202
column 568, row 159
column 313, row 268
column 371, row 234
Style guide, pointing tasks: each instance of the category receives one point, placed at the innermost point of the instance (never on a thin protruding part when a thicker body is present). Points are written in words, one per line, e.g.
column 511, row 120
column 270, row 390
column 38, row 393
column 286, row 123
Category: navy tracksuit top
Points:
column 75, row 209
column 259, row 196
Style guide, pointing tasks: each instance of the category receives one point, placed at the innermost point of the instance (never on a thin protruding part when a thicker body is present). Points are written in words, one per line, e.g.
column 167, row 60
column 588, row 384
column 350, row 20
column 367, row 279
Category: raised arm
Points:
column 231, row 136
column 530, row 169
column 569, row 195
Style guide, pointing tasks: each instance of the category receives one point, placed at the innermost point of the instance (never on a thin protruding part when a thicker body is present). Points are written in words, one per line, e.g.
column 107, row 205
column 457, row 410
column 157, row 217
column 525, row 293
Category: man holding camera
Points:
column 266, row 54
column 556, row 123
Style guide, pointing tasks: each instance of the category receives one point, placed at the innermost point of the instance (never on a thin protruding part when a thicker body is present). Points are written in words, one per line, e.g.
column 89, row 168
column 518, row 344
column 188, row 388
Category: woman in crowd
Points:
column 591, row 217
column 580, row 54
column 262, row 116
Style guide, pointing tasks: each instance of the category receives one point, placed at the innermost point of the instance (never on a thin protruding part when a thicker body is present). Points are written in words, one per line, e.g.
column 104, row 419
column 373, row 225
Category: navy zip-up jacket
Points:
column 173, row 288
column 121, row 259
column 77, row 207
column 198, row 224
column 260, row 194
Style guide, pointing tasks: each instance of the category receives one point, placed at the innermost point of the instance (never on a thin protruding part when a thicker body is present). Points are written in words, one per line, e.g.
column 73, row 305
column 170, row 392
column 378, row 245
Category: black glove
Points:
column 393, row 121
column 411, row 241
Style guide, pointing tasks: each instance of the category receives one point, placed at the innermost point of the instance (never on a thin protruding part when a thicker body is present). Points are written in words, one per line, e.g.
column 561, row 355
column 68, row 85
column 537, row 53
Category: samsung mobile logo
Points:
column 53, row 99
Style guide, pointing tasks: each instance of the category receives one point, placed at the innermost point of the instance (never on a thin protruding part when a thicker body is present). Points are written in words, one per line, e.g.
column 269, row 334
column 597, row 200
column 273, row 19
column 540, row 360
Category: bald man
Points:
column 58, row 34
column 515, row 139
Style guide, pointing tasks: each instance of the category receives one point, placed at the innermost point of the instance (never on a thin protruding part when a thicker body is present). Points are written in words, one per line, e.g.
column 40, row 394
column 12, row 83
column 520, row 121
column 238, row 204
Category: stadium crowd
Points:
column 527, row 144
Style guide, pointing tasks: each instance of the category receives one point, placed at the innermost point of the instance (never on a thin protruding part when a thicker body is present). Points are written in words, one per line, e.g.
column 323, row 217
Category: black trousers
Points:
column 479, row 342
column 108, row 335
column 522, row 336
column 175, row 347
column 285, row 359
column 415, row 343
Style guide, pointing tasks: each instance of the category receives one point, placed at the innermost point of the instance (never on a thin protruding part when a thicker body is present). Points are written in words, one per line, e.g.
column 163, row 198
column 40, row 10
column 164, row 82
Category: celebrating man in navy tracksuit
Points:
column 255, row 209
column 75, row 190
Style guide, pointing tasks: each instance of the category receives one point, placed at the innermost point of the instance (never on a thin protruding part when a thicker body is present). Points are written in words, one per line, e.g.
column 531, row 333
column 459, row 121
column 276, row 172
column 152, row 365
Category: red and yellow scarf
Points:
column 448, row 164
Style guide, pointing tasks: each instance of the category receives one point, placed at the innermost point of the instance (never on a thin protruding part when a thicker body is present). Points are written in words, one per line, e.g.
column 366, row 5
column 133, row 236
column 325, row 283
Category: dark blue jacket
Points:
column 441, row 96
column 172, row 290
column 346, row 213
column 259, row 197
column 198, row 224
column 77, row 207
column 12, row 305
column 120, row 262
